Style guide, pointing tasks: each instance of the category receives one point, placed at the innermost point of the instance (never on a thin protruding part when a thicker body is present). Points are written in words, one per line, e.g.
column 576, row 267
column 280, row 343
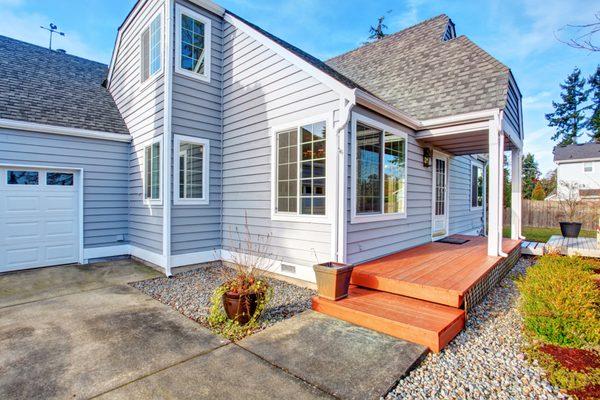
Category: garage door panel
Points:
column 39, row 224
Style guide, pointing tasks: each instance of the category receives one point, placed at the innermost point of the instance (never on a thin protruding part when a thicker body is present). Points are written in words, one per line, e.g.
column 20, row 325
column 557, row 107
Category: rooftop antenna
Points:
column 53, row 29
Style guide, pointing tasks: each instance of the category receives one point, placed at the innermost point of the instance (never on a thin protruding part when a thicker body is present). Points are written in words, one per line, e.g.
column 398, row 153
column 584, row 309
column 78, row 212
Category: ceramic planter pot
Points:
column 570, row 229
column 333, row 280
column 240, row 307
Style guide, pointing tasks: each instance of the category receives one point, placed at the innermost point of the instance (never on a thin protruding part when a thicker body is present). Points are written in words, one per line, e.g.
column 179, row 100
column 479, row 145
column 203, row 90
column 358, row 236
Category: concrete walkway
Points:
column 81, row 332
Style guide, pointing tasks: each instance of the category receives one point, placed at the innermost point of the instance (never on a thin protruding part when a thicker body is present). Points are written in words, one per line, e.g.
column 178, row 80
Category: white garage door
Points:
column 39, row 218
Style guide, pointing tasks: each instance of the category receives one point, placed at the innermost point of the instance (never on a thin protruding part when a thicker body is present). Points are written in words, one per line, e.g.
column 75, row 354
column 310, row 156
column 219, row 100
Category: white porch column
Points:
column 515, row 218
column 500, row 192
column 493, row 187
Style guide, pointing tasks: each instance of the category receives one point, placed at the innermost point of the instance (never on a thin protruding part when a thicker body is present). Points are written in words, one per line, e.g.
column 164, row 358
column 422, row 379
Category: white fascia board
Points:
column 61, row 130
column 459, row 119
column 575, row 161
column 376, row 104
column 453, row 130
column 288, row 55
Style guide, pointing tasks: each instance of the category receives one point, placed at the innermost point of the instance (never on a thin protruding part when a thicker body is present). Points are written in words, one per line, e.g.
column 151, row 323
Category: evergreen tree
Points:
column 569, row 115
column 593, row 124
column 538, row 192
column 531, row 174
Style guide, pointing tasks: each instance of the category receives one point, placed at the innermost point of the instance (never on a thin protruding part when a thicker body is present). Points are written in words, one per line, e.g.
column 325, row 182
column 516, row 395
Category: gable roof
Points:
column 575, row 152
column 47, row 87
column 417, row 71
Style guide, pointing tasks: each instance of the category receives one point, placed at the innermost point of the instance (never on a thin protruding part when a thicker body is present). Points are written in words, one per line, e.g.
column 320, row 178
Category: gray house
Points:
column 204, row 121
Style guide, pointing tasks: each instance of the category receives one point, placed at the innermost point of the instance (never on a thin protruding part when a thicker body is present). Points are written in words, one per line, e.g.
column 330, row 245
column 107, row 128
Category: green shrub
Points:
column 560, row 302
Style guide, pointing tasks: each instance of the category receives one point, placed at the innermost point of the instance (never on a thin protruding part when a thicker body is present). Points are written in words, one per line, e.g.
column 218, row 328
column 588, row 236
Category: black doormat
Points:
column 452, row 240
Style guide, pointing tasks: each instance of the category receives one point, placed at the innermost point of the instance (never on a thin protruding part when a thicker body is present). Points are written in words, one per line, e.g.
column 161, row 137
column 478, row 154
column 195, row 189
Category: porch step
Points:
column 432, row 325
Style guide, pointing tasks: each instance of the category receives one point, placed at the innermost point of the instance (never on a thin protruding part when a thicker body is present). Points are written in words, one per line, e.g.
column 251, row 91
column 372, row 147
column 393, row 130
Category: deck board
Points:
column 585, row 247
column 436, row 272
column 429, row 324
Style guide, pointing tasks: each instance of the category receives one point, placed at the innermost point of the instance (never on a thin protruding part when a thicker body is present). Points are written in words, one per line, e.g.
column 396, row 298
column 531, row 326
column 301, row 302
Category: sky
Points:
column 521, row 34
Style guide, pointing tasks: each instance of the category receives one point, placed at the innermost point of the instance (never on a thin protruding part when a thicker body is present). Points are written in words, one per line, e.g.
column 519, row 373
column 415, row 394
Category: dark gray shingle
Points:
column 577, row 151
column 47, row 87
column 418, row 72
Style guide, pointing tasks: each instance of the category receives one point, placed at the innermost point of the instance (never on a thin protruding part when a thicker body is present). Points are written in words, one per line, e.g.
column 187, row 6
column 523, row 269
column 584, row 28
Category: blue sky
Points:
column 521, row 34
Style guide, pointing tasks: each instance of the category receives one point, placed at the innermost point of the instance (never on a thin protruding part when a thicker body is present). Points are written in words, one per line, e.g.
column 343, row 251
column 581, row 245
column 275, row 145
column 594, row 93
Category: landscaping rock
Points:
column 190, row 294
column 485, row 360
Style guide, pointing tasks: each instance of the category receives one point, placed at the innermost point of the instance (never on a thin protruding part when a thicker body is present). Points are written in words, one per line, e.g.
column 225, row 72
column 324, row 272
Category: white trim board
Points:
column 61, row 130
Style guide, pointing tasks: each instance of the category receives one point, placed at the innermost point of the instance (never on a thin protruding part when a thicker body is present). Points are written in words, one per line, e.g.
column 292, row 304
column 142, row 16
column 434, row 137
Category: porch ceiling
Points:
column 475, row 141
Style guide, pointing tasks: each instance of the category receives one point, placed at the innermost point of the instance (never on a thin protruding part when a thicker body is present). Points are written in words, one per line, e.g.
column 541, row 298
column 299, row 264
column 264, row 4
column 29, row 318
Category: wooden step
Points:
column 432, row 325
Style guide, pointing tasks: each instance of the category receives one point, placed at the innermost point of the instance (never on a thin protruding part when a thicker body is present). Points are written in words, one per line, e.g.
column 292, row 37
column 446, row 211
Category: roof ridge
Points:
column 392, row 35
column 52, row 51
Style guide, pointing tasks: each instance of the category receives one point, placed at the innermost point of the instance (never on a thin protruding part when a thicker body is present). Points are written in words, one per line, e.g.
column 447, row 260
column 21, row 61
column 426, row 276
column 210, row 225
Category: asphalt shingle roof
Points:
column 43, row 86
column 418, row 72
column 577, row 152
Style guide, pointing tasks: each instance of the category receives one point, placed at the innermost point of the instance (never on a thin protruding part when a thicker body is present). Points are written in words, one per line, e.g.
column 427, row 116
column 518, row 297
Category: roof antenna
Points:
column 53, row 29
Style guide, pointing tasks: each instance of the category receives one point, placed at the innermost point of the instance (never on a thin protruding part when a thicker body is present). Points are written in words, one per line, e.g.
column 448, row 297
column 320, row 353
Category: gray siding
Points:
column 462, row 218
column 105, row 165
column 262, row 90
column 197, row 112
column 512, row 111
column 142, row 109
column 370, row 240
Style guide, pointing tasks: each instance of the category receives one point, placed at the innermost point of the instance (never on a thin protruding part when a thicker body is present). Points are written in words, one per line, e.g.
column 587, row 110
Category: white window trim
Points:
column 588, row 162
column 480, row 165
column 178, row 139
column 179, row 11
column 329, row 172
column 158, row 139
column 155, row 76
column 362, row 218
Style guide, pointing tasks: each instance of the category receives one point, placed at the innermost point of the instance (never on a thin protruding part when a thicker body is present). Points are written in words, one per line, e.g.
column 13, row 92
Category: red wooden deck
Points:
column 437, row 272
column 417, row 294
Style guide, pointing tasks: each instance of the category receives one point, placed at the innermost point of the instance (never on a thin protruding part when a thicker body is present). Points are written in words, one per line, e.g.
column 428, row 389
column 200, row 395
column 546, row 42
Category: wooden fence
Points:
column 548, row 214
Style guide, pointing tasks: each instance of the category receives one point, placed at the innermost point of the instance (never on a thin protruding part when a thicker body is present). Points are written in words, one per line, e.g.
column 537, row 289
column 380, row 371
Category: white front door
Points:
column 439, row 224
column 39, row 218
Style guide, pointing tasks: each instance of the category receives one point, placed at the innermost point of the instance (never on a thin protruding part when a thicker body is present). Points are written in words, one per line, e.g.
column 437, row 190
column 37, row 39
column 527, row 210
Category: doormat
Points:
column 452, row 240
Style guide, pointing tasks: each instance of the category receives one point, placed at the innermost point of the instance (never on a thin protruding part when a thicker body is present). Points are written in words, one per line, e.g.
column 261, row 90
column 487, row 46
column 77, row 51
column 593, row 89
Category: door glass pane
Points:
column 440, row 187
column 22, row 177
column 59, row 179
column 368, row 169
column 394, row 174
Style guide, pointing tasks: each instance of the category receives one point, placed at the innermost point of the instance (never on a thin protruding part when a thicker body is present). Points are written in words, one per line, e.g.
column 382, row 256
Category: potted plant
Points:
column 570, row 201
column 333, row 280
column 242, row 297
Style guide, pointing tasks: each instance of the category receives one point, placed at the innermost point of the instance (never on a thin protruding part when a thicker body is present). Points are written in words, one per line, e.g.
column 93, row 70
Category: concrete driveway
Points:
column 81, row 332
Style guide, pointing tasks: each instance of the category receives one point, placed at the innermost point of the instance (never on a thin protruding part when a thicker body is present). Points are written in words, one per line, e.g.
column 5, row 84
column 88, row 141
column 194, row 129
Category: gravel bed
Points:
column 190, row 293
column 484, row 361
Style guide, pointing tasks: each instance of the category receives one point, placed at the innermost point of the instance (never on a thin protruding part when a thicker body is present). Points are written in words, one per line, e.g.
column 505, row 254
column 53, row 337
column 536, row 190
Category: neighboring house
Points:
column 206, row 121
column 578, row 164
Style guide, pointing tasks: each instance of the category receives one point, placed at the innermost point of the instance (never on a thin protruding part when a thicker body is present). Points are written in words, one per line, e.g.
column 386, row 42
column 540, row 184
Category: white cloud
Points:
column 410, row 16
column 26, row 27
column 539, row 101
column 538, row 143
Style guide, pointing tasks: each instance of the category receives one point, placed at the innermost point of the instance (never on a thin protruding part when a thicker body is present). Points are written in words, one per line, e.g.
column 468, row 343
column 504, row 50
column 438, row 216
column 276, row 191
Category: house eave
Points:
column 61, row 130
column 369, row 101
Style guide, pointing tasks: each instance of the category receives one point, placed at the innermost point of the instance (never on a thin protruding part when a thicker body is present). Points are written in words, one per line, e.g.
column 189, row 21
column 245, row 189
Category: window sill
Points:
column 321, row 219
column 192, row 75
column 360, row 219
column 190, row 202
column 476, row 208
column 157, row 202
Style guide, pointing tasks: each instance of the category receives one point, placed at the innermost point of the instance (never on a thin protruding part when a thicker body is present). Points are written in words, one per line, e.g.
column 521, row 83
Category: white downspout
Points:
column 167, row 137
column 339, row 214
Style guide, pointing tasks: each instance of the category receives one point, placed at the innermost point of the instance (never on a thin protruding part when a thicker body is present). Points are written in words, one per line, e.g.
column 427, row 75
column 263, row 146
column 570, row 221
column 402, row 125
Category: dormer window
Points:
column 151, row 48
column 192, row 44
column 450, row 31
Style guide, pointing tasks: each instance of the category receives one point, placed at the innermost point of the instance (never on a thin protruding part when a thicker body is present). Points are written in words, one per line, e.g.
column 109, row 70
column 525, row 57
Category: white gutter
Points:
column 61, row 130
column 167, row 137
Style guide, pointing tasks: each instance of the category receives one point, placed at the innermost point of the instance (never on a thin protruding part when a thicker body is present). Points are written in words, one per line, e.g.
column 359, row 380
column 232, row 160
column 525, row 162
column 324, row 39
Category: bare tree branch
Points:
column 584, row 38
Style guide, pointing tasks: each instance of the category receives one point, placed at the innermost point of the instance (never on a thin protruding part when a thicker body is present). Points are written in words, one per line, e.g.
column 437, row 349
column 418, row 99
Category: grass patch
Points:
column 543, row 234
column 560, row 305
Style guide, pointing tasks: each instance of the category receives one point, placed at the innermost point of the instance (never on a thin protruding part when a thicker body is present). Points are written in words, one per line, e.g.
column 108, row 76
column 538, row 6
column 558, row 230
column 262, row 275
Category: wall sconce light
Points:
column 427, row 157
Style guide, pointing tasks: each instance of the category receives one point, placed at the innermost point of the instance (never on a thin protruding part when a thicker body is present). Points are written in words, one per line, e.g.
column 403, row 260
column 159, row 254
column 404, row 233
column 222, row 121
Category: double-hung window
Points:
column 476, row 186
column 192, row 41
column 379, row 187
column 300, row 170
column 151, row 48
column 152, row 172
column 192, row 175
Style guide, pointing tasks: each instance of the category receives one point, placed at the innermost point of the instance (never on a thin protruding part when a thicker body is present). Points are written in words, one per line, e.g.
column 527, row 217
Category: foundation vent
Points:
column 290, row 269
